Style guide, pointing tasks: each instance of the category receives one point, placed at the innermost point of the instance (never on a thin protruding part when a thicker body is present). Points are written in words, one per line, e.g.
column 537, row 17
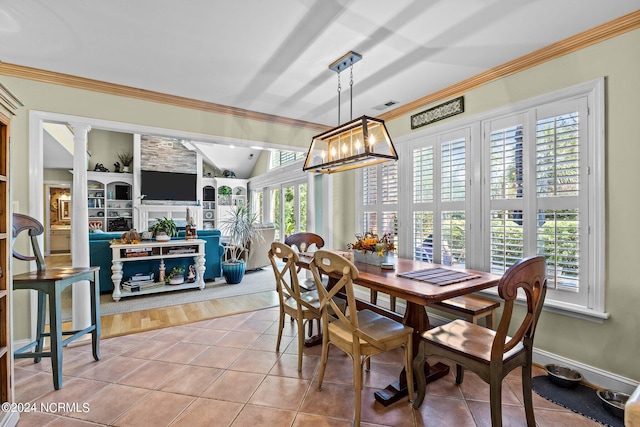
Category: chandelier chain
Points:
column 351, row 92
column 339, row 90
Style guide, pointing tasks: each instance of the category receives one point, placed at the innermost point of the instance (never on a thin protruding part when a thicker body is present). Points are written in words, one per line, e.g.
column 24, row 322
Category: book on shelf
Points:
column 173, row 251
column 141, row 277
column 136, row 286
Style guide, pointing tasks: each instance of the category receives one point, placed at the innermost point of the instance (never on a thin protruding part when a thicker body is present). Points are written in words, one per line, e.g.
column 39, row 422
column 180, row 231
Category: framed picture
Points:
column 64, row 209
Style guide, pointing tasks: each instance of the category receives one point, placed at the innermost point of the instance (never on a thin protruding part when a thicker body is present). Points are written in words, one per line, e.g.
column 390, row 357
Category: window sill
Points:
column 562, row 308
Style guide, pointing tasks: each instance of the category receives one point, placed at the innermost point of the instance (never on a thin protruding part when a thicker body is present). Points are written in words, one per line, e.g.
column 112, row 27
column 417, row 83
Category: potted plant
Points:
column 225, row 195
column 126, row 159
column 241, row 227
column 176, row 276
column 164, row 229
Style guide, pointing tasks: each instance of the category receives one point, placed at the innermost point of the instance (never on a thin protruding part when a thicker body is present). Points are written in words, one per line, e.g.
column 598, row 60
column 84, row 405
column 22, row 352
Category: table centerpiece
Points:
column 372, row 249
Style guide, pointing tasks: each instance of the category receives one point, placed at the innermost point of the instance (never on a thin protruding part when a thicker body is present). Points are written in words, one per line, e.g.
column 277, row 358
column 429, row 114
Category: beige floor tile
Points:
column 150, row 375
column 252, row 416
column 156, row 409
column 113, row 369
column 255, row 361
column 234, row 386
column 209, row 412
column 110, row 403
column 181, row 352
column 191, row 380
column 217, row 357
column 237, row 339
column 280, row 392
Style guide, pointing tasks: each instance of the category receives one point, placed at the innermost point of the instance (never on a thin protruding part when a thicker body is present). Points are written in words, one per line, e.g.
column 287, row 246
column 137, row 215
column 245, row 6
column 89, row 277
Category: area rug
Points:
column 581, row 399
column 253, row 282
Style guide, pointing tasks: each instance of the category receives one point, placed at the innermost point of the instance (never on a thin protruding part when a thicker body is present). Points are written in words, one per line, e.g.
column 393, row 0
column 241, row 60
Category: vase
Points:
column 233, row 271
column 176, row 280
column 162, row 237
column 373, row 258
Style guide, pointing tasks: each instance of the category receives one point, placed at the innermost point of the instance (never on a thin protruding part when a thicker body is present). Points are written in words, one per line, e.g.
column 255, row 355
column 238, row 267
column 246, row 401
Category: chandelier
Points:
column 355, row 144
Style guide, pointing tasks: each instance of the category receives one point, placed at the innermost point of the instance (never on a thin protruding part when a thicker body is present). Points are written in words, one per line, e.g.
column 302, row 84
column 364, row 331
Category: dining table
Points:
column 417, row 283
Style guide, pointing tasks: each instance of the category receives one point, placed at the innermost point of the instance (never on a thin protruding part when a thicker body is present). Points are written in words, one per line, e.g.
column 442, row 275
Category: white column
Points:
column 327, row 210
column 311, row 203
column 81, row 294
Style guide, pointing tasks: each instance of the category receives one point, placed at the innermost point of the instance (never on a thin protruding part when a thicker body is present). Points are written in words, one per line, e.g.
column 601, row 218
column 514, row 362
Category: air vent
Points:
column 385, row 105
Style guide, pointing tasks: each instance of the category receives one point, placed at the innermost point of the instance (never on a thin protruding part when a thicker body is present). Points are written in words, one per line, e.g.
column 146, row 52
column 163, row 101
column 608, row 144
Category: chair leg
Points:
column 95, row 317
column 280, row 328
column 459, row 374
column 300, row 342
column 495, row 400
column 42, row 308
column 55, row 337
column 373, row 299
column 357, row 386
column 324, row 358
column 526, row 393
column 418, row 371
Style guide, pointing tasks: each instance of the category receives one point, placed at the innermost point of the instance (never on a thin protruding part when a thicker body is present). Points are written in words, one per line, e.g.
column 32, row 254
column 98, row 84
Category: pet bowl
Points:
column 563, row 376
column 613, row 401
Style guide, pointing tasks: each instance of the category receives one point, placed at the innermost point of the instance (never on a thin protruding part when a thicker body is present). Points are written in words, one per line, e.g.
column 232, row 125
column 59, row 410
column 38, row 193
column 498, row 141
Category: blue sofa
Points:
column 100, row 255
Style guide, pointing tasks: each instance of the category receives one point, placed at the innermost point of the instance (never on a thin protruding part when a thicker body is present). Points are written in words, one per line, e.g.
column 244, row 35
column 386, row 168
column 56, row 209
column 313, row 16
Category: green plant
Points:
column 176, row 271
column 241, row 226
column 225, row 190
column 125, row 158
column 164, row 225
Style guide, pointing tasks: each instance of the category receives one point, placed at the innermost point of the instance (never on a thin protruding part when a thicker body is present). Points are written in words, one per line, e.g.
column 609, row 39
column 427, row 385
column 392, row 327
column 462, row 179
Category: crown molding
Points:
column 580, row 41
column 44, row 76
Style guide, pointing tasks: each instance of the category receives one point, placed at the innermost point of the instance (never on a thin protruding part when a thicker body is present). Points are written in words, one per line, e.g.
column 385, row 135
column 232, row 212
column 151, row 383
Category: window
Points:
column 280, row 158
column 380, row 200
column 485, row 192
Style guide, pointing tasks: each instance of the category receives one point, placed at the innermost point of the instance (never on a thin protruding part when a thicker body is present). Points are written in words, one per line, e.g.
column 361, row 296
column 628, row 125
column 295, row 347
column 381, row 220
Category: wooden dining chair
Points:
column 306, row 242
column 50, row 283
column 300, row 305
column 492, row 354
column 360, row 334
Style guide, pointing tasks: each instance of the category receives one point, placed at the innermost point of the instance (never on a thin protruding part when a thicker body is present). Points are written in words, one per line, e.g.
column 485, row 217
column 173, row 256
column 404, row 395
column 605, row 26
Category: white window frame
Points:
column 477, row 227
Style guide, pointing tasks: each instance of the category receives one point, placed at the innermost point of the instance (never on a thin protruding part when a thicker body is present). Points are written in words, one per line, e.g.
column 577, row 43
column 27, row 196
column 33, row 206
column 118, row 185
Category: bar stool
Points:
column 50, row 283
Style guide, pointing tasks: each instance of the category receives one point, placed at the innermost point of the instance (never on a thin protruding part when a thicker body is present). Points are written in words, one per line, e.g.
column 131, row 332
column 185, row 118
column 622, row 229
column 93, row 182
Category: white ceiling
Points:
column 273, row 56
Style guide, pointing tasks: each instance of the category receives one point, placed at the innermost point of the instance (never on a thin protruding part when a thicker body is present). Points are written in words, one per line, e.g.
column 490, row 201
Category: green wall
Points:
column 611, row 346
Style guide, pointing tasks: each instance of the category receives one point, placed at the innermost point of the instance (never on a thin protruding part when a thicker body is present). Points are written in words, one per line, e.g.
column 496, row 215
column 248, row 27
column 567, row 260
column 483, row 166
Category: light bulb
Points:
column 344, row 148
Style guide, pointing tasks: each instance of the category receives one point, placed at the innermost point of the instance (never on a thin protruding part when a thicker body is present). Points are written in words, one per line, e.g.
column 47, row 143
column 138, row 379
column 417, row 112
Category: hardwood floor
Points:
column 145, row 320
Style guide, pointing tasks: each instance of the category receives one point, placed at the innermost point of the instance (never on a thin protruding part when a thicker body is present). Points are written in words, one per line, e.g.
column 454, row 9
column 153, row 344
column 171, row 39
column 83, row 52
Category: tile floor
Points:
column 226, row 372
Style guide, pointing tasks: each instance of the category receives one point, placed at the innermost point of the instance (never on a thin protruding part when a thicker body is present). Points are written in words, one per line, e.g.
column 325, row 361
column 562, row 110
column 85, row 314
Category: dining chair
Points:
column 301, row 306
column 303, row 242
column 50, row 283
column 306, row 242
column 492, row 354
column 360, row 334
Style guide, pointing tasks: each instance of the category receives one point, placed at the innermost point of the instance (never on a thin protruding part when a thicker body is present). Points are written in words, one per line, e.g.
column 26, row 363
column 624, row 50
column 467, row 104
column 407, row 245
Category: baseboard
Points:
column 10, row 419
column 592, row 375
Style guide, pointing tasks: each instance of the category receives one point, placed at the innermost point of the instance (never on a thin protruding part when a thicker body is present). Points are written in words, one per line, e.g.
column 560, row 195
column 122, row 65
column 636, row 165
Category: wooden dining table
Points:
column 418, row 294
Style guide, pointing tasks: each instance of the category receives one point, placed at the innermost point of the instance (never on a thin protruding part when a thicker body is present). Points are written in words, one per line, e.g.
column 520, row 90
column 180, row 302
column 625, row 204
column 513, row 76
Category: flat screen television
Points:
column 168, row 186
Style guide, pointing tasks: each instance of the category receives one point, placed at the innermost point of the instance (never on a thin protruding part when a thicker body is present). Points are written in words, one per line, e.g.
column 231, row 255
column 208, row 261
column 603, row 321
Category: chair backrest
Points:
column 325, row 262
column 283, row 260
column 529, row 275
column 302, row 241
column 22, row 223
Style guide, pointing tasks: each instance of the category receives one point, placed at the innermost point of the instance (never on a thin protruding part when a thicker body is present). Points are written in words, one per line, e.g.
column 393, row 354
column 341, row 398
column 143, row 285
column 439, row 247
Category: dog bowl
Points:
column 563, row 376
column 613, row 401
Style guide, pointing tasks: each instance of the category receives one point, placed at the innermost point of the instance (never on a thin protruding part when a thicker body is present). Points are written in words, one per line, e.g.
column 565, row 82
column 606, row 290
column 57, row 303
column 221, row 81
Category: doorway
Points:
column 57, row 222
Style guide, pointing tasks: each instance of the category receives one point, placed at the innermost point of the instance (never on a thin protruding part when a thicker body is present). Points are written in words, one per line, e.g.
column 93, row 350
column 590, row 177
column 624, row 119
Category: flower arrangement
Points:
column 370, row 242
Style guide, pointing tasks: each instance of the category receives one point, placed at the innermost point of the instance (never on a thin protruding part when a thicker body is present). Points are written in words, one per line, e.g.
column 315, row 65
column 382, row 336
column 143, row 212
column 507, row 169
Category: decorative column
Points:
column 81, row 292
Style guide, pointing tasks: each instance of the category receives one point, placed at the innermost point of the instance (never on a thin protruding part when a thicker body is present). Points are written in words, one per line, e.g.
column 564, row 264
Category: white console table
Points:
column 156, row 250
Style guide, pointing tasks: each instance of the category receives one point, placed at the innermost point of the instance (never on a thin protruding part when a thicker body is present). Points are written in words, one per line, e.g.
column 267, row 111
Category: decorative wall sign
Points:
column 439, row 112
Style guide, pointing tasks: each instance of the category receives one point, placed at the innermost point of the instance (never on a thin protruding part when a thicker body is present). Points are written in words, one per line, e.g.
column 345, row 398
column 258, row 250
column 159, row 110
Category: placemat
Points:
column 439, row 276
